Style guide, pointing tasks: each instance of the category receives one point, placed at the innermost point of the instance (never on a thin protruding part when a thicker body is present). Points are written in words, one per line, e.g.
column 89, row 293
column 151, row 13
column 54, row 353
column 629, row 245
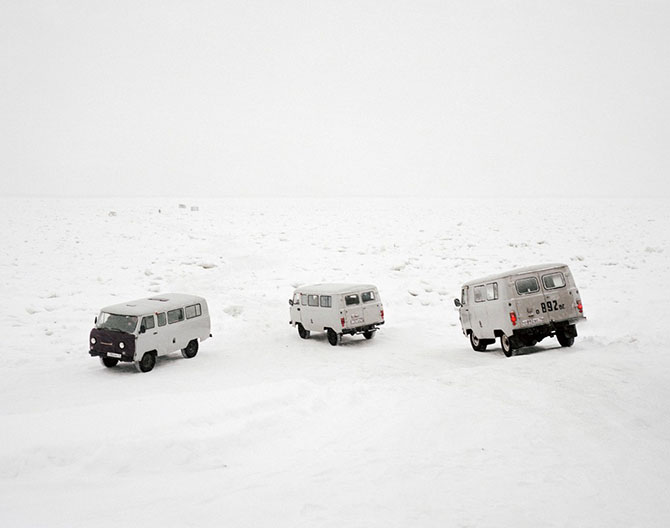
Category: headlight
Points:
column 122, row 345
column 93, row 340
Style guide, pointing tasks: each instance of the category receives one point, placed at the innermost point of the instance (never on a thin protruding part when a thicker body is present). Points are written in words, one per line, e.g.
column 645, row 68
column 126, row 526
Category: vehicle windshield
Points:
column 120, row 323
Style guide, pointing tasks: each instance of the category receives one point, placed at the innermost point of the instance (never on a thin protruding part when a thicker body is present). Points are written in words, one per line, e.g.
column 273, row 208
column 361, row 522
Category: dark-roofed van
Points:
column 140, row 331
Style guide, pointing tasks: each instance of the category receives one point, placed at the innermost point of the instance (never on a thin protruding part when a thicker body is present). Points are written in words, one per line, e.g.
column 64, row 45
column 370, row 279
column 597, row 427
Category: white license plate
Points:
column 113, row 355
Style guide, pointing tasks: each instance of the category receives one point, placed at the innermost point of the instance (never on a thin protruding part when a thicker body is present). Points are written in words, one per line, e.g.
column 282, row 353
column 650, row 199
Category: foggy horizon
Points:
column 335, row 99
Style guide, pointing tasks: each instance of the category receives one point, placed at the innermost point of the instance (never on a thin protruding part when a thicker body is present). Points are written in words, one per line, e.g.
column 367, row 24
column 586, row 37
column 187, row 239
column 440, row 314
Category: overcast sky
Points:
column 335, row 97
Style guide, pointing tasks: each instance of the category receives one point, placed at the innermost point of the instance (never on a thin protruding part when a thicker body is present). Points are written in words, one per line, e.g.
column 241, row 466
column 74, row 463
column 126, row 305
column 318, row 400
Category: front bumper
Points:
column 116, row 354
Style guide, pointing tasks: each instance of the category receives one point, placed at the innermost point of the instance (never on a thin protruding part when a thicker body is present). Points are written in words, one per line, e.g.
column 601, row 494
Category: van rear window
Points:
column 492, row 291
column 368, row 296
column 527, row 285
column 553, row 281
column 351, row 299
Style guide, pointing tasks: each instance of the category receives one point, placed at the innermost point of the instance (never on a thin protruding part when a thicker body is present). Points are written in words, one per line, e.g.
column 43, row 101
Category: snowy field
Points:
column 412, row 428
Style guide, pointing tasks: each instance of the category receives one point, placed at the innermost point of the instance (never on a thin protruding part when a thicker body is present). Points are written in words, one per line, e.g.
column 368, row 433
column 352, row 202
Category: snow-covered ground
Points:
column 262, row 428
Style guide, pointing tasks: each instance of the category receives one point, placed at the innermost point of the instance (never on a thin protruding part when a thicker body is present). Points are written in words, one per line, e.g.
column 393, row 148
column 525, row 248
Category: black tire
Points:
column 147, row 363
column 369, row 334
column 333, row 337
column 478, row 345
column 565, row 340
column 109, row 362
column 191, row 349
column 506, row 345
column 304, row 334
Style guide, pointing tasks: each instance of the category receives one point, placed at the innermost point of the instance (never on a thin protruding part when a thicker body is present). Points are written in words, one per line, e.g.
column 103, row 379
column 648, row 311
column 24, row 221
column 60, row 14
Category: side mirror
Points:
column 290, row 302
column 143, row 329
column 457, row 303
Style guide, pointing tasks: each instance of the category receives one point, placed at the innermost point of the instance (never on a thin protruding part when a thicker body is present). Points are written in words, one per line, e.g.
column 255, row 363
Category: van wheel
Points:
column 506, row 345
column 191, row 349
column 565, row 340
column 333, row 337
column 369, row 334
column 109, row 362
column 147, row 362
column 304, row 334
column 478, row 345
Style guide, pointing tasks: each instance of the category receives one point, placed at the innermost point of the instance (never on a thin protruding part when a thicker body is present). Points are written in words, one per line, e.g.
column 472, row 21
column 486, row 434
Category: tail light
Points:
column 382, row 314
column 342, row 321
column 512, row 317
column 580, row 307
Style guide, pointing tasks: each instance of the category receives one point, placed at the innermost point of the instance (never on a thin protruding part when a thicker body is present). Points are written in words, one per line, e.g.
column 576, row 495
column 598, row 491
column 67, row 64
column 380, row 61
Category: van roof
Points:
column 334, row 288
column 517, row 271
column 156, row 303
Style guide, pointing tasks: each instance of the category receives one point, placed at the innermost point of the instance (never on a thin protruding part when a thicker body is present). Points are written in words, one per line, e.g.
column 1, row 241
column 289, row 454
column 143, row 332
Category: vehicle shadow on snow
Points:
column 524, row 351
column 124, row 368
column 347, row 341
column 530, row 350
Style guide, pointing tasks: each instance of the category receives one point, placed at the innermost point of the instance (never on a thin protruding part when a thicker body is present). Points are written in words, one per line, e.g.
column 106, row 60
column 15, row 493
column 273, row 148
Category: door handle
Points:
column 155, row 333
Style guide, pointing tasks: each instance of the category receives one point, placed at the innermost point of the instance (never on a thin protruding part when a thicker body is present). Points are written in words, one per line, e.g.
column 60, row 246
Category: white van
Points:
column 521, row 307
column 141, row 330
column 336, row 309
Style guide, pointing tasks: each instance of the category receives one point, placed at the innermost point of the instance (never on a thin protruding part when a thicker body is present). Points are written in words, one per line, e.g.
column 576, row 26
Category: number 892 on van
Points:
column 521, row 307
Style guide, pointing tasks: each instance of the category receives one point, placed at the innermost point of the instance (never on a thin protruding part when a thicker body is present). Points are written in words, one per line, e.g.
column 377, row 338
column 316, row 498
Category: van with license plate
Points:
column 140, row 331
column 521, row 307
column 336, row 309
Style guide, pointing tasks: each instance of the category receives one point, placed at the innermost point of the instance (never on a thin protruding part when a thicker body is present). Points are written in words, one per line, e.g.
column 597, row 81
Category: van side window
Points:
column 492, row 291
column 303, row 299
column 174, row 316
column 148, row 322
column 527, row 285
column 195, row 310
column 326, row 301
column 162, row 321
column 313, row 300
column 368, row 296
column 480, row 293
column 351, row 299
column 553, row 281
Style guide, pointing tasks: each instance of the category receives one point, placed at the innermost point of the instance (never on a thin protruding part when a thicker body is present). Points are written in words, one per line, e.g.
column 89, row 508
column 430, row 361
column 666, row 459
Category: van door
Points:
column 325, row 314
column 296, row 313
column 176, row 338
column 559, row 304
column 372, row 307
column 159, row 334
column 528, row 300
column 479, row 316
column 312, row 315
column 148, row 340
column 464, row 310
column 353, row 311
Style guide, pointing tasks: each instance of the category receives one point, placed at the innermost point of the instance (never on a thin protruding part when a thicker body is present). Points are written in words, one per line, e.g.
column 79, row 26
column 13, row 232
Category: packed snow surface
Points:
column 261, row 428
